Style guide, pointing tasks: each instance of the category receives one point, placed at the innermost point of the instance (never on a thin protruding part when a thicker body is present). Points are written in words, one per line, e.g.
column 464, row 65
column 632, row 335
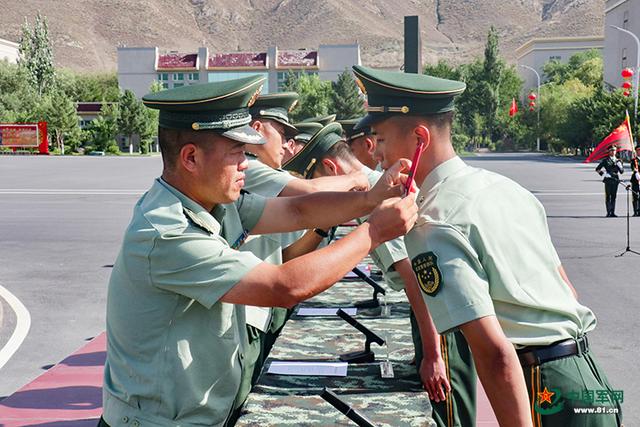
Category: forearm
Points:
column 502, row 379
column 326, row 209
column 298, row 187
column 308, row 275
column 307, row 243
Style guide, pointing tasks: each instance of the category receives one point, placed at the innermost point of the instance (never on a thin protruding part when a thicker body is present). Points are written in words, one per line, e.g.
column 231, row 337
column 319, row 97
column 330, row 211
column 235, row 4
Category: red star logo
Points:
column 545, row 396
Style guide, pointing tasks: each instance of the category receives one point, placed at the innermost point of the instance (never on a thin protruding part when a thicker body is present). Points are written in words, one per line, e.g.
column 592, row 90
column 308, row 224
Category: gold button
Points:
column 195, row 126
column 404, row 109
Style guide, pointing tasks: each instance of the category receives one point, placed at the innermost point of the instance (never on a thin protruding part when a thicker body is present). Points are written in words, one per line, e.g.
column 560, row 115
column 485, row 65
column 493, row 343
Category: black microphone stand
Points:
column 629, row 190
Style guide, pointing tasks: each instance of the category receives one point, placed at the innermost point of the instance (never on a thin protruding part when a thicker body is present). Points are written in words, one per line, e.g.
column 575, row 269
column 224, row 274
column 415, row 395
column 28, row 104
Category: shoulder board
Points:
column 196, row 221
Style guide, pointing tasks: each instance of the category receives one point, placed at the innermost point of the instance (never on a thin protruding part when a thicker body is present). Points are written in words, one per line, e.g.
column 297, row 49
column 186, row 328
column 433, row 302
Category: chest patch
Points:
column 425, row 267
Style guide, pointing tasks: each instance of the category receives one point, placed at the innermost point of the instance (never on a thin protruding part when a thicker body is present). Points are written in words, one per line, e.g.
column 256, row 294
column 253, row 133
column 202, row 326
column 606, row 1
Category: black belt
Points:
column 530, row 356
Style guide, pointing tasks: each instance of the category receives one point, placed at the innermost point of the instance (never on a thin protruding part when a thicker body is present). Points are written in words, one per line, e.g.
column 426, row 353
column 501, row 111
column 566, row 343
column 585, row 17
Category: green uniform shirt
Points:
column 174, row 350
column 388, row 253
column 480, row 247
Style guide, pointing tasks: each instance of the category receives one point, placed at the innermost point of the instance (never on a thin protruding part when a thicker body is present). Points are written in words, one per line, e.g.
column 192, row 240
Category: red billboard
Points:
column 24, row 135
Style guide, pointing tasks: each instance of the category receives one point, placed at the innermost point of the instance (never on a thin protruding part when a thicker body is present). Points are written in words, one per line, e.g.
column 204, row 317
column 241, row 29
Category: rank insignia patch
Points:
column 425, row 266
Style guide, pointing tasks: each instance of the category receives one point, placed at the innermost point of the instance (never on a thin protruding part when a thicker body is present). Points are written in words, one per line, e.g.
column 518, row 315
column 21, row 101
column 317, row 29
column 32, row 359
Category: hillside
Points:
column 85, row 34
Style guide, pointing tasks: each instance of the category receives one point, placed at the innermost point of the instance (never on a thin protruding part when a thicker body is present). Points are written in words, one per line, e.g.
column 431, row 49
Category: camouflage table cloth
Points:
column 283, row 400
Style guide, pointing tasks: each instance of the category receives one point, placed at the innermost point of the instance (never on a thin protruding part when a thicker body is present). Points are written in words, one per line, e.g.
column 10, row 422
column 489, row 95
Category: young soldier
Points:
column 327, row 154
column 635, row 182
column 612, row 168
column 361, row 141
column 175, row 316
column 295, row 144
column 485, row 262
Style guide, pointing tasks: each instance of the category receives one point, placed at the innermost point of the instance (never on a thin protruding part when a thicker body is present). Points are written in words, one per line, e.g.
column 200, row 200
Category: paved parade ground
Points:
column 62, row 220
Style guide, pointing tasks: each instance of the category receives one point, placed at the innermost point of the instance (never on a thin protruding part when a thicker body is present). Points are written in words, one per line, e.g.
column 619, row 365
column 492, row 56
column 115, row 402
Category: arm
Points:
column 432, row 369
column 297, row 187
column 307, row 243
column 285, row 285
column 599, row 167
column 567, row 281
column 326, row 209
column 499, row 371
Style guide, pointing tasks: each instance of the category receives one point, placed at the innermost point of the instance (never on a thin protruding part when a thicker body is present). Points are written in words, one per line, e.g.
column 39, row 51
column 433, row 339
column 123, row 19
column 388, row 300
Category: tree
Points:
column 492, row 71
column 99, row 87
column 104, row 129
column 315, row 97
column 443, row 70
column 62, row 119
column 133, row 117
column 36, row 56
column 347, row 103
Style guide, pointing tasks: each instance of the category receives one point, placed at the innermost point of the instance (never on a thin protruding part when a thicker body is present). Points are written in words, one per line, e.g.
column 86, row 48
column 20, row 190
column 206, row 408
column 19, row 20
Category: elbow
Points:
column 285, row 294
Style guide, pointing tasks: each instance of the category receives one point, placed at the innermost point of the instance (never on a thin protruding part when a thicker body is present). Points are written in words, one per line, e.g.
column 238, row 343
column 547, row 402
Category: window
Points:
column 555, row 58
column 165, row 85
column 625, row 20
column 194, row 76
column 178, row 77
column 624, row 57
column 220, row 76
column 163, row 77
column 178, row 84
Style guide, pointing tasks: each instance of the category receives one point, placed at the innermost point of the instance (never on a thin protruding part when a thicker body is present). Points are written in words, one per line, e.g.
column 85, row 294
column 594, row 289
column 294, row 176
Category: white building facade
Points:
column 620, row 49
column 140, row 67
column 8, row 51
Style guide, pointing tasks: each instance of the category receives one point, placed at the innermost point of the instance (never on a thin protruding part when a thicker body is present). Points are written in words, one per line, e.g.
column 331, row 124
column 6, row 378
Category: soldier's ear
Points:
column 371, row 144
column 423, row 136
column 330, row 167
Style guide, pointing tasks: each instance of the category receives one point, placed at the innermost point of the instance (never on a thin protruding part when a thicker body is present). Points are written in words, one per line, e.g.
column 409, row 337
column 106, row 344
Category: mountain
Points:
column 86, row 33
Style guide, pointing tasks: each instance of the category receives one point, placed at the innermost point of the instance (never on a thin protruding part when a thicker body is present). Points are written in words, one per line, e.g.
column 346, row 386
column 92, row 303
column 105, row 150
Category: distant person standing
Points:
column 612, row 168
column 635, row 183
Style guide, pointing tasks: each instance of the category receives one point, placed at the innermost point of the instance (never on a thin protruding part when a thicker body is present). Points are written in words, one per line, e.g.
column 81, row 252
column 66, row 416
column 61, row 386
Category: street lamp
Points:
column 539, row 101
column 636, row 70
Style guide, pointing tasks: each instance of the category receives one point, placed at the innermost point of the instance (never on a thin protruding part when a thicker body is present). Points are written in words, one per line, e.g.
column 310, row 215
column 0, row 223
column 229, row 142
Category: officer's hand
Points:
column 628, row 187
column 360, row 181
column 393, row 218
column 433, row 374
column 391, row 182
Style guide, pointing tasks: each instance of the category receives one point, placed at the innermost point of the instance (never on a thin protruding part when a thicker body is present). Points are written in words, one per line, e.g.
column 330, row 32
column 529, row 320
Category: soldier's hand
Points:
column 393, row 218
column 391, row 182
column 360, row 181
column 433, row 374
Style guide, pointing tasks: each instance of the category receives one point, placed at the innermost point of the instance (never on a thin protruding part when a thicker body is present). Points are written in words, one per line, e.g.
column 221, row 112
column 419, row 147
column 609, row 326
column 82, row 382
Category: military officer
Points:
column 485, row 263
column 612, row 169
column 295, row 144
column 175, row 316
column 327, row 154
column 635, row 183
column 361, row 141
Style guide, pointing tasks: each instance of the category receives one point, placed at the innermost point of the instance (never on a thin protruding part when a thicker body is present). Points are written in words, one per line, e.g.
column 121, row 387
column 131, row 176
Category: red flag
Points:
column 620, row 137
column 514, row 108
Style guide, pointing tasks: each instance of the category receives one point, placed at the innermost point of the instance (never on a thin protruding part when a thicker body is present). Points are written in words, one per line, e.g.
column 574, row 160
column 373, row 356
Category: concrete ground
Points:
column 62, row 220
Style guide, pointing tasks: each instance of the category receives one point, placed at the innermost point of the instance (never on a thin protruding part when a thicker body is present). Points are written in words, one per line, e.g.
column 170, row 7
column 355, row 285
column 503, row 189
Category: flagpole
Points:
column 539, row 103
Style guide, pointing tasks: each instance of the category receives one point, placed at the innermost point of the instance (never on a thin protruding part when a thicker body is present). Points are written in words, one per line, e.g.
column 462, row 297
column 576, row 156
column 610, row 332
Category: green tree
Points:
column 315, row 97
column 89, row 87
column 585, row 66
column 59, row 111
column 347, row 103
column 133, row 117
column 443, row 70
column 492, row 74
column 104, row 129
column 36, row 56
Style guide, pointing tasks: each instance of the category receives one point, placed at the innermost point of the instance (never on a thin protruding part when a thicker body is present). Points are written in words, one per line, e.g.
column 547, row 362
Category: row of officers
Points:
column 216, row 255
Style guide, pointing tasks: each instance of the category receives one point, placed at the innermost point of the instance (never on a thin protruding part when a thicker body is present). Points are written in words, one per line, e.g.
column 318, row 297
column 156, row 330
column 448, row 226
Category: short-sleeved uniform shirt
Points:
column 481, row 247
column 267, row 182
column 390, row 252
column 174, row 350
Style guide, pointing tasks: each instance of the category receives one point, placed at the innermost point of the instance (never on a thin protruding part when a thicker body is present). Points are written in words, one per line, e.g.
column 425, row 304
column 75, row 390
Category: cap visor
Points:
column 245, row 134
column 367, row 121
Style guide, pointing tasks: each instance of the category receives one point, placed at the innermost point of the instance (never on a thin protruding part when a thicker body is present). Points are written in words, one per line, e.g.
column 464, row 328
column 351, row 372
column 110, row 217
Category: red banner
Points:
column 24, row 135
column 620, row 137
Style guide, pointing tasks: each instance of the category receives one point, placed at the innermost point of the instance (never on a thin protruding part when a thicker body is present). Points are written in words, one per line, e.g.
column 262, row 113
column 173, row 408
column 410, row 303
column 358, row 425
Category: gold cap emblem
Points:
column 404, row 109
column 254, row 97
column 195, row 126
column 361, row 86
column 294, row 105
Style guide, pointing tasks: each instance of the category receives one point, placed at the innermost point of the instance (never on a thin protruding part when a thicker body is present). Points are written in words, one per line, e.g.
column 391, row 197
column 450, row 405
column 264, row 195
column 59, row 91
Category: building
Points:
column 139, row 67
column 620, row 49
column 8, row 51
column 537, row 52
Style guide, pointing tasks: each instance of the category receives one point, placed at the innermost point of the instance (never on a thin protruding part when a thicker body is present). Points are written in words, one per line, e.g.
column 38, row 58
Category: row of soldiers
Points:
column 216, row 255
column 610, row 169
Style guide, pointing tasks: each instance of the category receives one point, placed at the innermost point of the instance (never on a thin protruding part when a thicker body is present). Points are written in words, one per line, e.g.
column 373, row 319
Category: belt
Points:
column 530, row 356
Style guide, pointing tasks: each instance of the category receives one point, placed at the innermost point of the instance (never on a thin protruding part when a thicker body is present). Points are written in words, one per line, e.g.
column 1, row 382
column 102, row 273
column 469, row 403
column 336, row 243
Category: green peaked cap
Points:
column 323, row 120
column 222, row 107
column 306, row 131
column 394, row 93
column 351, row 129
column 276, row 106
column 306, row 160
